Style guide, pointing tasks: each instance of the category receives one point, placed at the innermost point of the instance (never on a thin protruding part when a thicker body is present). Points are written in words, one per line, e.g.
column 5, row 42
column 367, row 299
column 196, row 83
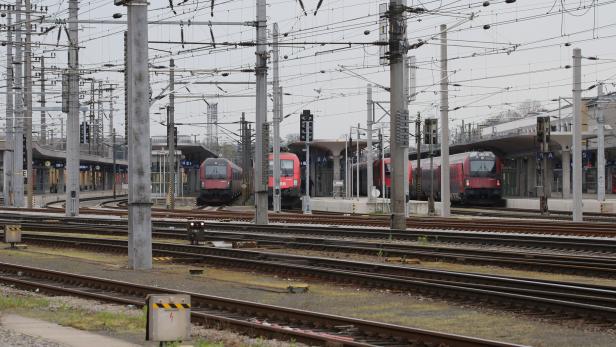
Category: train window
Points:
column 483, row 166
column 216, row 171
column 387, row 169
column 286, row 168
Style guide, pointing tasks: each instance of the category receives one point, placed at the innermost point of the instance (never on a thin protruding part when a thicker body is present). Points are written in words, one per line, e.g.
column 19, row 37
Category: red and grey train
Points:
column 221, row 181
column 290, row 179
column 475, row 178
column 381, row 176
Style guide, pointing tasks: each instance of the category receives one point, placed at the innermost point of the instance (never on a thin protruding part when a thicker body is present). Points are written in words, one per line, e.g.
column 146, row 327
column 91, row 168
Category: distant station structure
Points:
column 96, row 168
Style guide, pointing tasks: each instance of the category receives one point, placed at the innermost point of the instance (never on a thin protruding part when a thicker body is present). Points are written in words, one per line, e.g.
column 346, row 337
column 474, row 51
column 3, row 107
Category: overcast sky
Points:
column 521, row 56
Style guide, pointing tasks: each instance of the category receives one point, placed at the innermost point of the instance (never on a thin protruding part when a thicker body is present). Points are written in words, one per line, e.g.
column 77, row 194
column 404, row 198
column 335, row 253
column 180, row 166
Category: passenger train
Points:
column 221, row 181
column 290, row 179
column 475, row 178
column 381, row 177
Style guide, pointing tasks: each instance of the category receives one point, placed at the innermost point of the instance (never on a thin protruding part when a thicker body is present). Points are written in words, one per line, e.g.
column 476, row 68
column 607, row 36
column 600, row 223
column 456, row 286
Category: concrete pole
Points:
column 72, row 122
column 99, row 122
column 261, row 154
column 399, row 112
column 91, row 116
column 369, row 160
column 418, row 144
column 18, row 150
column 357, row 161
column 111, row 126
column 28, row 102
column 600, row 146
column 445, row 193
column 346, row 167
column 139, row 153
column 171, row 138
column 43, row 135
column 307, row 208
column 577, row 135
column 566, row 163
column 9, row 127
column 276, row 121
column 10, row 131
column 113, row 155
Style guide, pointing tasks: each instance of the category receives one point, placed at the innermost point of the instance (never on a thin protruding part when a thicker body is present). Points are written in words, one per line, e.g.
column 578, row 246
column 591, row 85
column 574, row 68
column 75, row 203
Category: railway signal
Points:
column 430, row 131
column 84, row 133
column 430, row 139
column 543, row 139
column 306, row 133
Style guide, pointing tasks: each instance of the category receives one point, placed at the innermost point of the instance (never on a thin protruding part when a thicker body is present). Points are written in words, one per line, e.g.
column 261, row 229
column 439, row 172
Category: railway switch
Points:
column 168, row 318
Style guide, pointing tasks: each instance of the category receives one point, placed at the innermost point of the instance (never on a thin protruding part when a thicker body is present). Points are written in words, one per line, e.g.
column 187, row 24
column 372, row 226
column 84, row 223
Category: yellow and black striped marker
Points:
column 171, row 306
column 162, row 258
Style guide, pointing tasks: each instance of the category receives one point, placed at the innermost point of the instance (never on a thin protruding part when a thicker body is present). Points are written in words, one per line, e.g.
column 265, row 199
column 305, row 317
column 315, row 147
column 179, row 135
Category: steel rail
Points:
column 577, row 244
column 601, row 266
column 589, row 302
column 244, row 316
column 491, row 225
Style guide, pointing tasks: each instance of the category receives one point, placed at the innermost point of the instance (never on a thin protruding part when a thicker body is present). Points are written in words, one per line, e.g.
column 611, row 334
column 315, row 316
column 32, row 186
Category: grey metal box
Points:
column 168, row 317
column 12, row 233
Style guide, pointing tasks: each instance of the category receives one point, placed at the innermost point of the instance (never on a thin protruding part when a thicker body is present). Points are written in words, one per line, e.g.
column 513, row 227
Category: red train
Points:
column 476, row 178
column 290, row 179
column 380, row 169
column 221, row 181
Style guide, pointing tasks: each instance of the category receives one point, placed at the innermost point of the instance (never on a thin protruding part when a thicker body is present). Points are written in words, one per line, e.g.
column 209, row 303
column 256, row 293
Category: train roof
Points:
column 221, row 161
column 457, row 158
column 285, row 155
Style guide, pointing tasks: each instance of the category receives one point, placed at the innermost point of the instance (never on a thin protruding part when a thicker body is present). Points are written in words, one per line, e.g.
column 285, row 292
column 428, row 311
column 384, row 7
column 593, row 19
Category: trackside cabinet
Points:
column 168, row 317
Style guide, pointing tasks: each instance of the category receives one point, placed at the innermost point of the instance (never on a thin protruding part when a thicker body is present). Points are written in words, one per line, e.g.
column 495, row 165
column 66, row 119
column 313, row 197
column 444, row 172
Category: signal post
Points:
column 306, row 134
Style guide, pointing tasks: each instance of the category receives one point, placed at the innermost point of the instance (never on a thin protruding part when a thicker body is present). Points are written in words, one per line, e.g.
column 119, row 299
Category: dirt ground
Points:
column 399, row 308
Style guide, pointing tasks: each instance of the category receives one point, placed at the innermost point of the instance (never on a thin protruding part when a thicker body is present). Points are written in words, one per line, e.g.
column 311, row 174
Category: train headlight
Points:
column 294, row 183
column 498, row 183
column 467, row 182
column 192, row 224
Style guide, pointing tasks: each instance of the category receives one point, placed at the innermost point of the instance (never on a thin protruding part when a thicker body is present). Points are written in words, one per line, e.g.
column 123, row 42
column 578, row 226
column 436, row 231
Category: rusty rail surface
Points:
column 590, row 303
column 243, row 316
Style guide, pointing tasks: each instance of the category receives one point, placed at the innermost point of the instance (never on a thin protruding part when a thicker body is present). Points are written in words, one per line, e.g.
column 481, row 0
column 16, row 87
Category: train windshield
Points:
column 483, row 168
column 286, row 168
column 216, row 171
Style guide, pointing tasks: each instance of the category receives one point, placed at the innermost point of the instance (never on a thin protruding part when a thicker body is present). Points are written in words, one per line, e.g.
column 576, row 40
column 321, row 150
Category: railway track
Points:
column 532, row 242
column 416, row 224
column 502, row 212
column 590, row 303
column 467, row 224
column 243, row 316
column 584, row 265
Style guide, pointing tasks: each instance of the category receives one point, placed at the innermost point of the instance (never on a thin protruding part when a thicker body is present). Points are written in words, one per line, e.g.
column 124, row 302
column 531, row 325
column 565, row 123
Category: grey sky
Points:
column 337, row 98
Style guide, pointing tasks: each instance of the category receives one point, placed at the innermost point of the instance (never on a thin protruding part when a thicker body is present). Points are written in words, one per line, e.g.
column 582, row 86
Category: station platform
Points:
column 361, row 205
column 41, row 200
column 590, row 204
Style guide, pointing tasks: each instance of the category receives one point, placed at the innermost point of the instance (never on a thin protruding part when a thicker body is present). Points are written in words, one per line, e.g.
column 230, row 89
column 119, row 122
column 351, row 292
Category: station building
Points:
column 189, row 155
column 514, row 140
column 96, row 165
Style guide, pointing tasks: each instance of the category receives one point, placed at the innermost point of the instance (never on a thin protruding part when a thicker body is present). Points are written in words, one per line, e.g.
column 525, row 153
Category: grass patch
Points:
column 10, row 302
column 204, row 343
column 63, row 314
column 99, row 321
